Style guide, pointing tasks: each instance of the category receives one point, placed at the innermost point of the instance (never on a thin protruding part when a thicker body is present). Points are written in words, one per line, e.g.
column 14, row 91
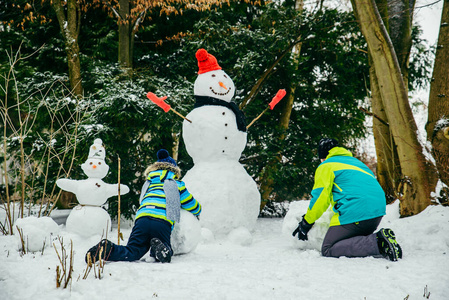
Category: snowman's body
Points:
column 89, row 218
column 213, row 135
column 229, row 196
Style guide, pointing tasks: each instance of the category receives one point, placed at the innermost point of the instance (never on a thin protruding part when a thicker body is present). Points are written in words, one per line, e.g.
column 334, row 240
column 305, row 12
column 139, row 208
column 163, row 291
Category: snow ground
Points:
column 273, row 267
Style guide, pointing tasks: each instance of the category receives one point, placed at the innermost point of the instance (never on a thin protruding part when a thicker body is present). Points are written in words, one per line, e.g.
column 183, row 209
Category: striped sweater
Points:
column 153, row 203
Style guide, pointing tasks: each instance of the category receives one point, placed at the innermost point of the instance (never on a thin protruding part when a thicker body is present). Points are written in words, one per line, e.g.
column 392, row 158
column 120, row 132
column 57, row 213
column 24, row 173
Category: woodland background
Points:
column 72, row 71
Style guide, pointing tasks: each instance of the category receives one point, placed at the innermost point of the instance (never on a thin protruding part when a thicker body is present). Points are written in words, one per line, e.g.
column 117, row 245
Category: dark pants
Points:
column 352, row 240
column 143, row 231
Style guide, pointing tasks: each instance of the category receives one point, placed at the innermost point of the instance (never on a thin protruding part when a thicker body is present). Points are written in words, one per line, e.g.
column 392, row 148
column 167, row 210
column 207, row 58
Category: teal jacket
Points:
column 153, row 203
column 349, row 186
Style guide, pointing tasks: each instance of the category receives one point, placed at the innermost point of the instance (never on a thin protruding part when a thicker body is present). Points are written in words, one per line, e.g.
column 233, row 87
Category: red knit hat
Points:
column 206, row 62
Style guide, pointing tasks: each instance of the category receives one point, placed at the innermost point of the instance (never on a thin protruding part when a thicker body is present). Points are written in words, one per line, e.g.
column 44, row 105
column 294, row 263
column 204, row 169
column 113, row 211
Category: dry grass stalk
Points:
column 97, row 266
column 23, row 250
column 64, row 277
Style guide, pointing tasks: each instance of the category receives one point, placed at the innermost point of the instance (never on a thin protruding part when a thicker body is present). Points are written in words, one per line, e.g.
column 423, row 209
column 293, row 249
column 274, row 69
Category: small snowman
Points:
column 89, row 218
column 215, row 139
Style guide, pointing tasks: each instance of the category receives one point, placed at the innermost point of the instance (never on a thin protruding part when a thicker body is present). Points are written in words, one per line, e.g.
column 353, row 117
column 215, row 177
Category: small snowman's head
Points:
column 212, row 81
column 95, row 168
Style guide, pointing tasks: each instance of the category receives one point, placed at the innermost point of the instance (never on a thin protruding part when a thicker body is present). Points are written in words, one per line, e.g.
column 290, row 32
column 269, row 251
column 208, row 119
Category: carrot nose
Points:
column 94, row 166
column 222, row 85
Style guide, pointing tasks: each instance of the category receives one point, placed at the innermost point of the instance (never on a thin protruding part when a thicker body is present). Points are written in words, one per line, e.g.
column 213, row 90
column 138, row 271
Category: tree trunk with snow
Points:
column 437, row 126
column 69, row 24
column 419, row 178
column 397, row 18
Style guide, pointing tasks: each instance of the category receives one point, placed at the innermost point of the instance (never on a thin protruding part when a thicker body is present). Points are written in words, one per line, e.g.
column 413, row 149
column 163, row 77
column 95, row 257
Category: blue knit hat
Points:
column 163, row 156
column 324, row 146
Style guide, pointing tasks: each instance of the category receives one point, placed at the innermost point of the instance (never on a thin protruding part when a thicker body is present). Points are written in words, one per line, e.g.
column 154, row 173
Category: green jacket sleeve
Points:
column 321, row 193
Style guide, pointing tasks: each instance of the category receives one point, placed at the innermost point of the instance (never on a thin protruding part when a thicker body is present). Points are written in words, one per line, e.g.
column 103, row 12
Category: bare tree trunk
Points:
column 175, row 147
column 400, row 17
column 438, row 111
column 388, row 166
column 126, row 37
column 69, row 25
column 419, row 178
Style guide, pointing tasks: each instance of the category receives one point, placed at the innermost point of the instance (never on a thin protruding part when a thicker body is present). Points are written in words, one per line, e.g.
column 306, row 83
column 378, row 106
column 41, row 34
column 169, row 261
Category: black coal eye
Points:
column 225, row 76
column 99, row 163
column 213, row 75
column 90, row 163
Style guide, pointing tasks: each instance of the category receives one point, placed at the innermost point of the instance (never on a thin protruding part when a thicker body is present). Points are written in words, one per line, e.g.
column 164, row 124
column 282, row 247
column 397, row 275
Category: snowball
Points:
column 37, row 233
column 241, row 236
column 87, row 221
column 207, row 235
column 315, row 236
column 186, row 234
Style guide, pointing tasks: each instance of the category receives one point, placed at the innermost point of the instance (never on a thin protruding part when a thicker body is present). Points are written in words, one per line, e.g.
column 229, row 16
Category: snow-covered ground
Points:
column 273, row 267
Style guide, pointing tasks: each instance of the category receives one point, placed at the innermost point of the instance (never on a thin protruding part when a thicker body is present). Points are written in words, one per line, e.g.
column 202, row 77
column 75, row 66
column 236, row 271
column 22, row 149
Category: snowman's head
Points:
column 216, row 84
column 212, row 81
column 95, row 168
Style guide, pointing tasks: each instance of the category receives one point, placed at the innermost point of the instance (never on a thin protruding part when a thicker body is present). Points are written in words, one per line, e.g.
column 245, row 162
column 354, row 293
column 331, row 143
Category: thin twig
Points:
column 374, row 115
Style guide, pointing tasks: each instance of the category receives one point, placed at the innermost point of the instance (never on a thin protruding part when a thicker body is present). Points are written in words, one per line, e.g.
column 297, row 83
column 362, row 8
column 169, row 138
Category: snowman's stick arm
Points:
column 180, row 115
column 257, row 118
column 160, row 102
column 279, row 95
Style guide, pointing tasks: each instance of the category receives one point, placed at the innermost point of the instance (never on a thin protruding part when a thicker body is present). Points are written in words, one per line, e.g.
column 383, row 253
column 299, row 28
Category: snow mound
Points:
column 37, row 233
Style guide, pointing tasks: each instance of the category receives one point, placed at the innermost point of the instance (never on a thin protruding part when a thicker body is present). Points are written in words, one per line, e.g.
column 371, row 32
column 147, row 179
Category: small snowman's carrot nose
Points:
column 94, row 166
column 222, row 85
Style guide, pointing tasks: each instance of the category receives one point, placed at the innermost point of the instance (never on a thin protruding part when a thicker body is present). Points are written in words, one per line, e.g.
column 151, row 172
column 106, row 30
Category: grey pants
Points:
column 352, row 240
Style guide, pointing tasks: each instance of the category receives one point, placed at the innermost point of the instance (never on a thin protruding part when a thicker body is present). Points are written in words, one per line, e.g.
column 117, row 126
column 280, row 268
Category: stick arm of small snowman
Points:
column 279, row 95
column 166, row 107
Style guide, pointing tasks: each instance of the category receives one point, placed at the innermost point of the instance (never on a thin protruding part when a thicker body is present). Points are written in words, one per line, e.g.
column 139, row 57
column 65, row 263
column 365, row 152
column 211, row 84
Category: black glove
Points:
column 302, row 229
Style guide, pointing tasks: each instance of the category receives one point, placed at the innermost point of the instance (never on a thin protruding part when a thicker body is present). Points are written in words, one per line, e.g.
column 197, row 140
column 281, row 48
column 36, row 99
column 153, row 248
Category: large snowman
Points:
column 89, row 218
column 215, row 139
